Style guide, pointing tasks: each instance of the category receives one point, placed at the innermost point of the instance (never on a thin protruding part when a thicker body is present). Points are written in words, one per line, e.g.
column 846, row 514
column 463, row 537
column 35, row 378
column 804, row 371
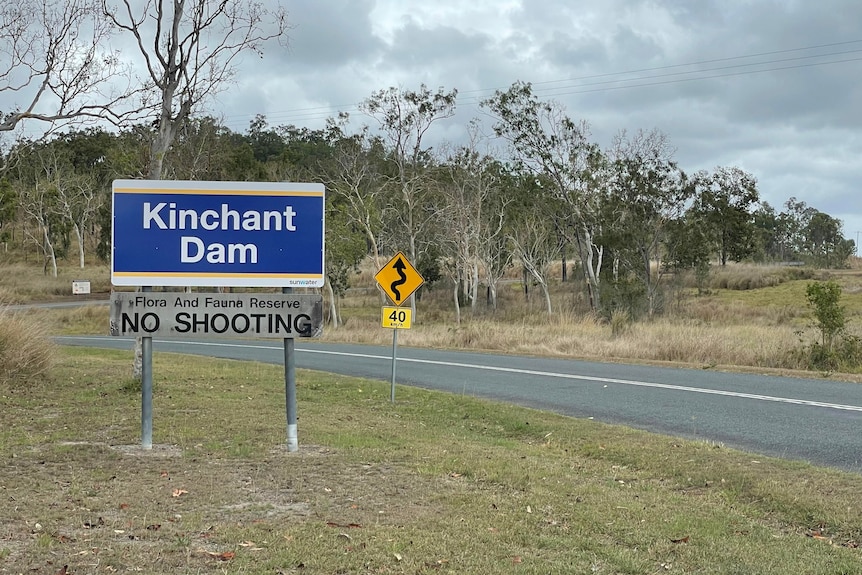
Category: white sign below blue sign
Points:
column 237, row 234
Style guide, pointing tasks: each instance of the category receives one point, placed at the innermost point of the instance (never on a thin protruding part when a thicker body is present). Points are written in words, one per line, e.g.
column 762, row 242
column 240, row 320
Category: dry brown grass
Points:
column 23, row 283
column 759, row 327
column 26, row 352
column 662, row 340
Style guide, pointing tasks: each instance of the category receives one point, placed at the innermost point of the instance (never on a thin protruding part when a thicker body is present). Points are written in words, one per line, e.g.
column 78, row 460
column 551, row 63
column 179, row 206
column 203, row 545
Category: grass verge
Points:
column 436, row 483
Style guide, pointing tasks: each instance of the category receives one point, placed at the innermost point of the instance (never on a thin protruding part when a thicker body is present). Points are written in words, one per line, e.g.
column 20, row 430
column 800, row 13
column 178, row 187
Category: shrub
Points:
column 829, row 315
column 837, row 350
column 25, row 350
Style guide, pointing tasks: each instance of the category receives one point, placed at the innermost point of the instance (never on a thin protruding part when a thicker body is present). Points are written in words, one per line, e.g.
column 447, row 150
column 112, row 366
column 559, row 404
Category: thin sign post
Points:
column 146, row 388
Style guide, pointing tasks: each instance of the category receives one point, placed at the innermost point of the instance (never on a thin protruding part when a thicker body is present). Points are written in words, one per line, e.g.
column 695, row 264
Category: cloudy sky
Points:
column 771, row 86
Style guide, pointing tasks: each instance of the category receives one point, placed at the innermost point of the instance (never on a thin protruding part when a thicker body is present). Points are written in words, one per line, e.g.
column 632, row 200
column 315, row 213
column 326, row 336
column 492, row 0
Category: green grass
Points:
column 435, row 483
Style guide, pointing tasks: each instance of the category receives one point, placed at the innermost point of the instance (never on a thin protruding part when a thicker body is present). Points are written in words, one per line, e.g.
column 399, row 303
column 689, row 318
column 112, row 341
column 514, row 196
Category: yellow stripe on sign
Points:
column 212, row 275
column 396, row 317
column 219, row 192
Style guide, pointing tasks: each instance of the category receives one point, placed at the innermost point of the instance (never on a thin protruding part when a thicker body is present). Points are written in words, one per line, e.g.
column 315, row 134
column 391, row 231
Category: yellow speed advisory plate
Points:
column 397, row 317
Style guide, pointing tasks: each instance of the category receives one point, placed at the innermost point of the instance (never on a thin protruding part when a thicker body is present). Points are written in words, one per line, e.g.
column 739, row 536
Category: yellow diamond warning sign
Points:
column 399, row 279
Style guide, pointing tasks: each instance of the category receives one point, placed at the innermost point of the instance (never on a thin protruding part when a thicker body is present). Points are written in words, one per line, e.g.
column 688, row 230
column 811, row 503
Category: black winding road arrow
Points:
column 398, row 266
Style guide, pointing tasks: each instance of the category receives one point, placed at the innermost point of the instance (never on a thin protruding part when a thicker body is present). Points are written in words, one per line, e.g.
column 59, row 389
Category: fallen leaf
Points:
column 64, row 570
column 529, row 509
column 681, row 539
column 350, row 525
column 124, row 505
column 154, row 527
column 164, row 474
column 397, row 556
column 517, row 559
column 178, row 492
column 225, row 556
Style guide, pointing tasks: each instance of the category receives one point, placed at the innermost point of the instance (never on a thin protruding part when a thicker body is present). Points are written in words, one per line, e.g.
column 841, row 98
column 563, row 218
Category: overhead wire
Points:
column 642, row 77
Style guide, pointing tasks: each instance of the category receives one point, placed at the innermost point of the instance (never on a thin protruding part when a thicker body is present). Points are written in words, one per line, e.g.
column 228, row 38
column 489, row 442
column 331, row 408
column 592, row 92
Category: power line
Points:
column 578, row 86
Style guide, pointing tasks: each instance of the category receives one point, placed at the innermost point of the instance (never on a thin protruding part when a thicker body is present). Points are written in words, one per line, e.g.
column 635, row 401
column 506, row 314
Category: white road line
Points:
column 633, row 383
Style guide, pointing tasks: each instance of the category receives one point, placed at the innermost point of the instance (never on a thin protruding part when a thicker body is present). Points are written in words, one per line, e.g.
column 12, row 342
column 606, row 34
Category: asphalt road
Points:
column 819, row 421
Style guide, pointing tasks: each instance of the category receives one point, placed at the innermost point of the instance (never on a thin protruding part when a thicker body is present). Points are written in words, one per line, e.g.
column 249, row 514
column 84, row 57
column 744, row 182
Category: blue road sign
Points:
column 251, row 234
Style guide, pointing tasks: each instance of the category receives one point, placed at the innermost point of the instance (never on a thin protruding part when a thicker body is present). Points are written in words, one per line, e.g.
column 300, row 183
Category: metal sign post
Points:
column 290, row 385
column 146, row 387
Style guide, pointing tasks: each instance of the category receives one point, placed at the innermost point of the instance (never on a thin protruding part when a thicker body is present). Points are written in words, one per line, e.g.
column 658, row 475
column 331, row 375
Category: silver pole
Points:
column 394, row 357
column 290, row 388
column 146, row 388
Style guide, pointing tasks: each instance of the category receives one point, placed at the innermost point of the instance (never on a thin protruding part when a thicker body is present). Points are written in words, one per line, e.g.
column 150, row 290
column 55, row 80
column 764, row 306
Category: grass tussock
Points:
column 741, row 277
column 26, row 352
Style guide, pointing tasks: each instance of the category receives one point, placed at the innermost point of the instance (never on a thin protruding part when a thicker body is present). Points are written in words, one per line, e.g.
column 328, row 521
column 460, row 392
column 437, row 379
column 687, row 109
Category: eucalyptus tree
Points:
column 556, row 149
column 725, row 201
column 203, row 150
column 326, row 156
column 345, row 248
column 189, row 51
column 40, row 177
column 404, row 118
column 535, row 245
column 688, row 246
column 353, row 176
column 471, row 187
column 646, row 191
column 797, row 215
column 825, row 245
column 8, row 209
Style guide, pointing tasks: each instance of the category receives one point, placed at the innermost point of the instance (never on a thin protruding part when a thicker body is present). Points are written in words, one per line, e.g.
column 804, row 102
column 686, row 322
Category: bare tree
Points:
column 189, row 51
column 354, row 178
column 53, row 61
column 405, row 116
column 474, row 219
